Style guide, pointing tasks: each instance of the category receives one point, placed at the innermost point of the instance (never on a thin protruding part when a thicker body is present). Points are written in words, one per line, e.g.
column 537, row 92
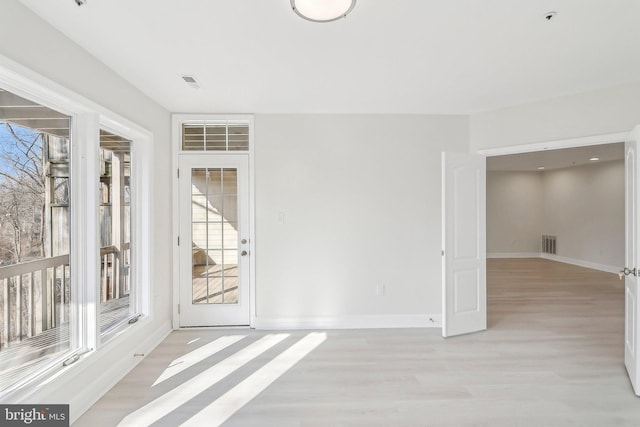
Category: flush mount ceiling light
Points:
column 322, row 10
column 594, row 159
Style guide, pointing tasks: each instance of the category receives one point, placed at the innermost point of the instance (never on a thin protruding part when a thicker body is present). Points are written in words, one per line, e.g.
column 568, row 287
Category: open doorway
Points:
column 566, row 205
column 582, row 331
column 555, row 236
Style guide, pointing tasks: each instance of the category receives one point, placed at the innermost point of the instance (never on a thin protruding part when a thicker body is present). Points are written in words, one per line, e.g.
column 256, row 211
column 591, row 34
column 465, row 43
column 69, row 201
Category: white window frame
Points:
column 177, row 121
column 87, row 118
column 141, row 202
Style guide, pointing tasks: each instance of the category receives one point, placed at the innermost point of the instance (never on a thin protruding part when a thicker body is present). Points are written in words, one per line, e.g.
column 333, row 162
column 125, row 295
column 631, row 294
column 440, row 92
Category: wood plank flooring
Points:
column 552, row 356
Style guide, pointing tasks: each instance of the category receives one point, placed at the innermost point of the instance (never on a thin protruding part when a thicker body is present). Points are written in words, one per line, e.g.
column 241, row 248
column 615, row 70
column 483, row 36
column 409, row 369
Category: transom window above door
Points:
column 215, row 135
column 214, row 273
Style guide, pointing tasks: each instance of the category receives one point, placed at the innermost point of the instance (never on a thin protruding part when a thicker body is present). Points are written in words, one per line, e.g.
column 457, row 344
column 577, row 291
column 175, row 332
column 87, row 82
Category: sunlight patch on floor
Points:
column 196, row 356
column 229, row 403
column 181, row 394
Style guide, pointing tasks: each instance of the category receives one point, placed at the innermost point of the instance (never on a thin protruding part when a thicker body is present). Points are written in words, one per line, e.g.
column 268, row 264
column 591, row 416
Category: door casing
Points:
column 565, row 143
column 176, row 132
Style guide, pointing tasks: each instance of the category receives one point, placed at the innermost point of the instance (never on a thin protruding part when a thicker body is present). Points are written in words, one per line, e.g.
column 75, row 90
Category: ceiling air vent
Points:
column 191, row 81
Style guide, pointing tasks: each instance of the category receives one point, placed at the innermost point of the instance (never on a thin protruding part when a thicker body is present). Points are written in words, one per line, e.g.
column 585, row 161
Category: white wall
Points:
column 589, row 114
column 593, row 113
column 360, row 195
column 583, row 206
column 514, row 212
column 361, row 200
column 29, row 41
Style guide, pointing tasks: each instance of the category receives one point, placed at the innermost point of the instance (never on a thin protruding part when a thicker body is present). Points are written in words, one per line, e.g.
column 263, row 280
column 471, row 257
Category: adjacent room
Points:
column 566, row 205
column 294, row 212
column 556, row 238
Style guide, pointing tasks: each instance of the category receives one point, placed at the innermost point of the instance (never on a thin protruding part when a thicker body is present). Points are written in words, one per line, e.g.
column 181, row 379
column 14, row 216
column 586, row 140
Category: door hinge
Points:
column 178, row 240
column 178, row 173
column 178, row 308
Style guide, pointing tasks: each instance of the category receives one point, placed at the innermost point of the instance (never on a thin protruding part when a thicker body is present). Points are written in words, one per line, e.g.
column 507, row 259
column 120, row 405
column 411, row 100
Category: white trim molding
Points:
column 610, row 138
column 351, row 322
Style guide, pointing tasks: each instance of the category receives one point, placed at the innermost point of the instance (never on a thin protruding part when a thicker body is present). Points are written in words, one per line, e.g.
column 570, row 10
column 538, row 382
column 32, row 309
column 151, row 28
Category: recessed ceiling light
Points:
column 594, row 159
column 191, row 81
column 541, row 168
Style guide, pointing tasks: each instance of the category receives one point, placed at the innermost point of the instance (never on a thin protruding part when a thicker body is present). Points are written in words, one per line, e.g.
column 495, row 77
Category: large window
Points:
column 117, row 295
column 35, row 276
column 74, row 187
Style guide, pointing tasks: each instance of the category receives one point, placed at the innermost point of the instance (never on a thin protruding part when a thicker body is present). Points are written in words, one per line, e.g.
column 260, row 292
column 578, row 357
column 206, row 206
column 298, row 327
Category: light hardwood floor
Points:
column 552, row 356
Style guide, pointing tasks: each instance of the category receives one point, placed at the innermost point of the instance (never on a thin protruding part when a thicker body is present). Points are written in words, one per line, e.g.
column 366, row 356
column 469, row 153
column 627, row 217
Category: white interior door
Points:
column 632, row 295
column 214, row 240
column 464, row 264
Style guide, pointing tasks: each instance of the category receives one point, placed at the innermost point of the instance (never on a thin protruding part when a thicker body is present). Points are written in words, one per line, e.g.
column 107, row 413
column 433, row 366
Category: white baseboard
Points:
column 566, row 260
column 581, row 263
column 351, row 322
column 513, row 255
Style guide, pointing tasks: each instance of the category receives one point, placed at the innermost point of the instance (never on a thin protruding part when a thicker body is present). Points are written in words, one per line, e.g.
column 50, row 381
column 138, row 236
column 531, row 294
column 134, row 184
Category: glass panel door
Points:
column 214, row 247
column 214, row 225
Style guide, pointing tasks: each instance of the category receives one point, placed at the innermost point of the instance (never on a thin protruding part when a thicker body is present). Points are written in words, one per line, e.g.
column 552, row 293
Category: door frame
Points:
column 611, row 138
column 585, row 141
column 176, row 131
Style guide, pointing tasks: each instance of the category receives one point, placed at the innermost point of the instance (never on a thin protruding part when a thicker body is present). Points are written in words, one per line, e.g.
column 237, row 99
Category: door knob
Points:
column 243, row 241
column 244, row 253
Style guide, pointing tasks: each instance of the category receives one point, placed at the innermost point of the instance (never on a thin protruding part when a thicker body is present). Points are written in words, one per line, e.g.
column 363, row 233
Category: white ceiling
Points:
column 410, row 56
column 556, row 159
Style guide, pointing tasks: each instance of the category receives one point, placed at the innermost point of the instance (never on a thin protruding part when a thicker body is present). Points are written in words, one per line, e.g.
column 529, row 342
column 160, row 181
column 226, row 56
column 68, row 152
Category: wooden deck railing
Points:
column 114, row 272
column 35, row 295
